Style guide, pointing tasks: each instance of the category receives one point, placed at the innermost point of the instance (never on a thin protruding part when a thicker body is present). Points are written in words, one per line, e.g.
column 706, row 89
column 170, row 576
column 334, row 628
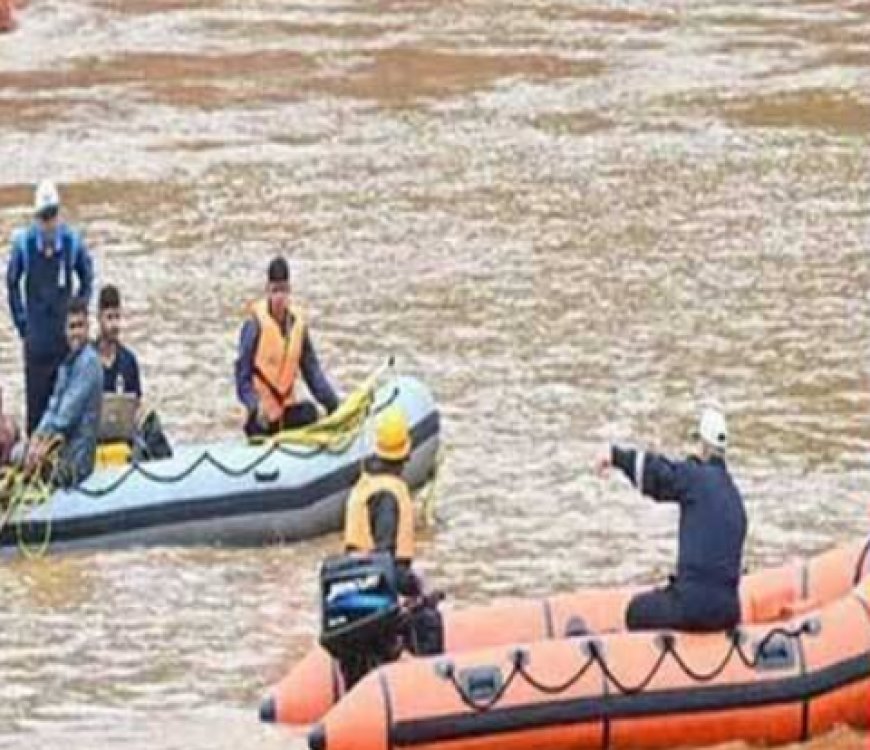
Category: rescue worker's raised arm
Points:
column 654, row 476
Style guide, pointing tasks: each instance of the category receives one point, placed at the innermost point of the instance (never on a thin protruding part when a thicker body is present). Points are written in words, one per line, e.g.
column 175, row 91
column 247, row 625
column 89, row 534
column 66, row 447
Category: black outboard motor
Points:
column 362, row 618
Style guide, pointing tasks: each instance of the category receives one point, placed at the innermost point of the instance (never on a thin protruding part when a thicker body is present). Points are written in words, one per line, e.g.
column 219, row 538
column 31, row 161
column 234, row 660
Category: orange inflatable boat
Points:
column 312, row 687
column 769, row 684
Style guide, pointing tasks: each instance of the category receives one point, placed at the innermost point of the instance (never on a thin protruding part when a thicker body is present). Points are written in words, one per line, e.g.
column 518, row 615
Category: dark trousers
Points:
column 296, row 415
column 40, row 373
column 695, row 608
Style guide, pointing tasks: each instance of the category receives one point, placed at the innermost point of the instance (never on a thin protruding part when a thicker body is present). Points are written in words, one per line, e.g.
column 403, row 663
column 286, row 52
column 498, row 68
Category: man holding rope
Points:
column 71, row 421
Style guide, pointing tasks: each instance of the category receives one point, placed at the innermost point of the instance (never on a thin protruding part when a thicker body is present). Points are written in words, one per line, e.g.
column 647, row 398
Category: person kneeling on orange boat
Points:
column 703, row 596
column 380, row 519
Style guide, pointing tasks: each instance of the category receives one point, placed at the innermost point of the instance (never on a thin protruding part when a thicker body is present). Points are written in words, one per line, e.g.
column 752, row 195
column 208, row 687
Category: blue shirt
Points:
column 122, row 376
column 712, row 516
column 316, row 381
column 40, row 284
column 74, row 410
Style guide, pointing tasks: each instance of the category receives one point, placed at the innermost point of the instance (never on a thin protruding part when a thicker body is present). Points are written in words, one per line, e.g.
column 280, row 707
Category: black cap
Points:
column 279, row 270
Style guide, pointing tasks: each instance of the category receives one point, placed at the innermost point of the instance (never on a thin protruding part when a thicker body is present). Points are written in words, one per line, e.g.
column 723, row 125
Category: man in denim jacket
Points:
column 73, row 412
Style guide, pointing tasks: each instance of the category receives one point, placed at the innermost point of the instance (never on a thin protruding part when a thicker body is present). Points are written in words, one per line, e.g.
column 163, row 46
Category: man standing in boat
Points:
column 44, row 258
column 274, row 346
column 703, row 596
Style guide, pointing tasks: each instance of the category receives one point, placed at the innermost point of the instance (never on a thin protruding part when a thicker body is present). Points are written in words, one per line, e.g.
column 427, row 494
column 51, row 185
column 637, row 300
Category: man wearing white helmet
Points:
column 45, row 257
column 703, row 596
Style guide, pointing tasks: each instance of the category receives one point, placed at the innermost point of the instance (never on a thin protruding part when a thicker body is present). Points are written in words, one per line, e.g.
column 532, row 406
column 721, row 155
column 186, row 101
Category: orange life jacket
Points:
column 357, row 526
column 276, row 361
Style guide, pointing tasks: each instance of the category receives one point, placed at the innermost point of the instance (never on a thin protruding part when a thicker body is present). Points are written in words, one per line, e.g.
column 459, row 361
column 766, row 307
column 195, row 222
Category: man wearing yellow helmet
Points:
column 380, row 518
column 380, row 513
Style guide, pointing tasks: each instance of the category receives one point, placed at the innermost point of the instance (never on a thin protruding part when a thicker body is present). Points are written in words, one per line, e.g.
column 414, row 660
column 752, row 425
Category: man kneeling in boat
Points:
column 273, row 347
column 704, row 594
column 73, row 414
column 380, row 518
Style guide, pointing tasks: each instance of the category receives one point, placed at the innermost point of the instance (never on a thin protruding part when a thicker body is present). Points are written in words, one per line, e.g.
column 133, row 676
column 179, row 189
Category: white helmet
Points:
column 712, row 428
column 46, row 196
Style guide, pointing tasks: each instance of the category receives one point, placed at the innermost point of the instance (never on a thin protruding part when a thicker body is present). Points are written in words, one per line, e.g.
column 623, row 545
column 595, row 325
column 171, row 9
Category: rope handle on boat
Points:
column 595, row 655
column 520, row 660
column 447, row 670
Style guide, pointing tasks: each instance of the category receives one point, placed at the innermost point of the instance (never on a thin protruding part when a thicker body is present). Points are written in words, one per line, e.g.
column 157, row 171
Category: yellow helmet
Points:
column 393, row 438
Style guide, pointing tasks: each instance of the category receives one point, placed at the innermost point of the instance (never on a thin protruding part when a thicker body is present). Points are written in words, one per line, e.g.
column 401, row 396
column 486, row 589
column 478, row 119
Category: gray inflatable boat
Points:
column 230, row 493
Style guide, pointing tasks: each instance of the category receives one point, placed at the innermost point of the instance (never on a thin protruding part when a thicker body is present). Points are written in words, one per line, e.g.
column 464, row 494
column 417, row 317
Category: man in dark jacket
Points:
column 39, row 277
column 121, row 379
column 703, row 596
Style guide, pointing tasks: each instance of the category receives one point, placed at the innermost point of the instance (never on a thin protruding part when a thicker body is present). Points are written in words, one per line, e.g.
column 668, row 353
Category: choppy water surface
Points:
column 573, row 220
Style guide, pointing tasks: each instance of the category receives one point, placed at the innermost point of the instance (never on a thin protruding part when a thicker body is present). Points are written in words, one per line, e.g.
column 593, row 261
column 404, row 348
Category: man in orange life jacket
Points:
column 273, row 347
column 380, row 518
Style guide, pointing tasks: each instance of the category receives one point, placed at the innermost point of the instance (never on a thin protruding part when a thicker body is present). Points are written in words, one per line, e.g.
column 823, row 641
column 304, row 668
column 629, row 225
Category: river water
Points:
column 573, row 220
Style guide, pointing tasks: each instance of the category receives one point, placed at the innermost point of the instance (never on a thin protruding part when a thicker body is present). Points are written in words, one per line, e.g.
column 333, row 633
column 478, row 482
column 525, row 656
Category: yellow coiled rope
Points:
column 21, row 491
column 338, row 430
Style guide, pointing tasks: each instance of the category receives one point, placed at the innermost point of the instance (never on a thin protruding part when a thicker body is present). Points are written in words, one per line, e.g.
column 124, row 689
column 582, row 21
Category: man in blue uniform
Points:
column 45, row 257
column 703, row 596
